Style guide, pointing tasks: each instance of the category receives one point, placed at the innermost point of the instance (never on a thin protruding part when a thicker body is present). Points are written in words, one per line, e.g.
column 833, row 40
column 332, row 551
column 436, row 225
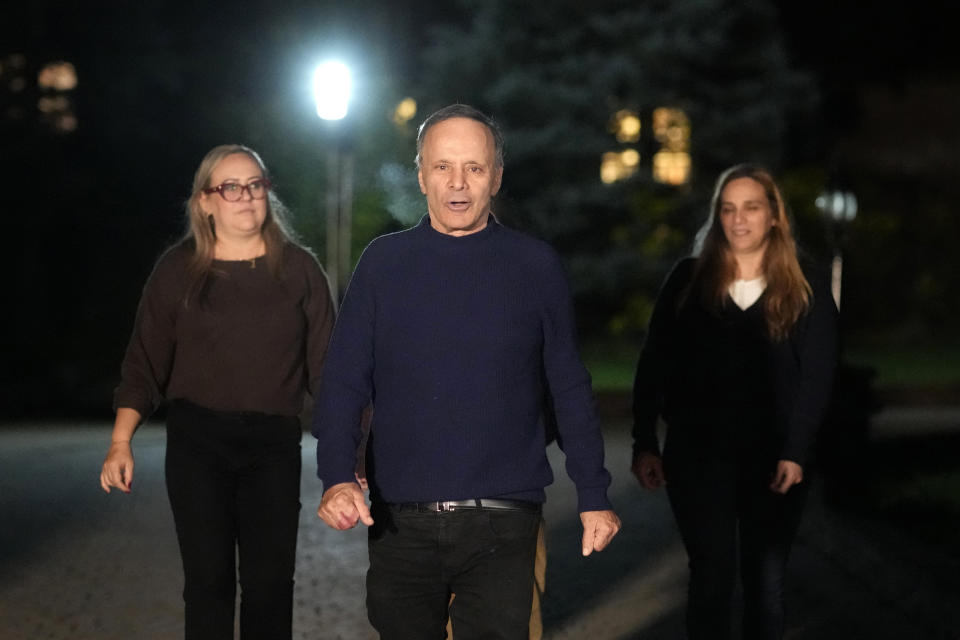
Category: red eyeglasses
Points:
column 233, row 191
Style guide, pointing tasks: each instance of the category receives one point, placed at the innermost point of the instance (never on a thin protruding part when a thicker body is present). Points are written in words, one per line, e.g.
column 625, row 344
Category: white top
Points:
column 746, row 292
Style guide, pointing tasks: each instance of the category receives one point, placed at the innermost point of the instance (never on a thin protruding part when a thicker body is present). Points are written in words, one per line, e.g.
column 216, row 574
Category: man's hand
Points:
column 788, row 473
column 599, row 527
column 343, row 505
column 361, row 481
column 648, row 469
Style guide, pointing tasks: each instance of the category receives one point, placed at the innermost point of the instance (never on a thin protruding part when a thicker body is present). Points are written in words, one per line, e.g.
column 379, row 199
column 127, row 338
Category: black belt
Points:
column 474, row 503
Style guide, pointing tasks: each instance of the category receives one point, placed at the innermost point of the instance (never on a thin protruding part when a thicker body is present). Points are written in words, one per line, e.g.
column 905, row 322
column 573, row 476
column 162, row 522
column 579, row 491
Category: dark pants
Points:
column 234, row 483
column 417, row 560
column 723, row 506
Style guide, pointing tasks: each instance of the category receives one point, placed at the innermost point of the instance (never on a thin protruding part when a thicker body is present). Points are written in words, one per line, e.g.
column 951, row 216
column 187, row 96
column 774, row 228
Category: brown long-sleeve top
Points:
column 255, row 341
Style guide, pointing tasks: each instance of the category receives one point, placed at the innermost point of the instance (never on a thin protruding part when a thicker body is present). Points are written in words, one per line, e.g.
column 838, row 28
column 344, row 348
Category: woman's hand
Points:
column 118, row 468
column 788, row 473
column 648, row 468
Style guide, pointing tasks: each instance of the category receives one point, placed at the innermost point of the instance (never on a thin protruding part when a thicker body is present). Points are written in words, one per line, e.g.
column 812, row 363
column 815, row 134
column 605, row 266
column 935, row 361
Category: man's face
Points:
column 458, row 175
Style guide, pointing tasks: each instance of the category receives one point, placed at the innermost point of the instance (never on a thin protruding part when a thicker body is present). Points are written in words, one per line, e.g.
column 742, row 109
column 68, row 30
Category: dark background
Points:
column 829, row 94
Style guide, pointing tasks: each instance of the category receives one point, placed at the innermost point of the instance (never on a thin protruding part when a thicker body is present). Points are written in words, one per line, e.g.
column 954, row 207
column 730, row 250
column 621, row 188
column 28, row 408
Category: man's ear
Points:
column 423, row 188
column 497, row 181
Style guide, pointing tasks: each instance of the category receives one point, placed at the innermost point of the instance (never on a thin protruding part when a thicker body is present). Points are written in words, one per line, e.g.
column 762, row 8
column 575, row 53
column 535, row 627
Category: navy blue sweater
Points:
column 457, row 341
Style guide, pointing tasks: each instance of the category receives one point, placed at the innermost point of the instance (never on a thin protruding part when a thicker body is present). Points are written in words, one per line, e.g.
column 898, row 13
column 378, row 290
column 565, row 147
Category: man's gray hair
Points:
column 462, row 111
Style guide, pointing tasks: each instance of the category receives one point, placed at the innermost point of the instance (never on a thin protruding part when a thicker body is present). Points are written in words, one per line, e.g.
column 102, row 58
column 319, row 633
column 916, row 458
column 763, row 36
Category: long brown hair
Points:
column 787, row 294
column 202, row 234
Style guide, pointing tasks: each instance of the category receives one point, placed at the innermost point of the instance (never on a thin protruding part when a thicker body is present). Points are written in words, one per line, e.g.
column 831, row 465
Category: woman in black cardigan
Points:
column 739, row 361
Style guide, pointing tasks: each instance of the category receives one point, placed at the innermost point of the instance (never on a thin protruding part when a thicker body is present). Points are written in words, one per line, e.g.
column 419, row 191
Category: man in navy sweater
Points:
column 456, row 331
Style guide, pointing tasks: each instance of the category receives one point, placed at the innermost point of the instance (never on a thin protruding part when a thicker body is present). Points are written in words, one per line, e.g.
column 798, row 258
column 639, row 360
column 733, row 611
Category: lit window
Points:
column 12, row 67
column 619, row 165
column 630, row 157
column 610, row 167
column 671, row 128
column 59, row 76
column 625, row 125
column 65, row 123
column 52, row 104
column 671, row 167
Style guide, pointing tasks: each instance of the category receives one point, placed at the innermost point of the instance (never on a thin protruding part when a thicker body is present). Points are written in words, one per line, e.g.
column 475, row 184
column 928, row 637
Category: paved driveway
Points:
column 76, row 563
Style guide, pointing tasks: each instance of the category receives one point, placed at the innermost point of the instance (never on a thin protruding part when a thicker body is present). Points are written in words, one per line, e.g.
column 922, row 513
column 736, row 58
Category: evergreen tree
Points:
column 554, row 74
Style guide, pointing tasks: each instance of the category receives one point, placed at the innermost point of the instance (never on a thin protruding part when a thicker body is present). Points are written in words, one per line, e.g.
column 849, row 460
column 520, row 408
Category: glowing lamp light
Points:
column 405, row 111
column 840, row 206
column 331, row 90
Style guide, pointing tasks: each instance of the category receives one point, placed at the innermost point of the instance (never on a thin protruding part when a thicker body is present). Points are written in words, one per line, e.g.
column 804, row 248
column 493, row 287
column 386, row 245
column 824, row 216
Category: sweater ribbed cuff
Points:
column 593, row 499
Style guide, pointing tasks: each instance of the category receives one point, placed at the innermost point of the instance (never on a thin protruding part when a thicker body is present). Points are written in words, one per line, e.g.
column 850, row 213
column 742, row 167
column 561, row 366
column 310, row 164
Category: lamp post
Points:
column 840, row 208
column 331, row 90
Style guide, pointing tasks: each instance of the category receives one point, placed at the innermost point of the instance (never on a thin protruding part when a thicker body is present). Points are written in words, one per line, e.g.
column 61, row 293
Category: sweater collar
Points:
column 471, row 239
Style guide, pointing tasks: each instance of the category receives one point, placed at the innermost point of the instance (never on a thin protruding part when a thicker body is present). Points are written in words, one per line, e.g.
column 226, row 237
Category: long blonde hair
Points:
column 202, row 234
column 787, row 294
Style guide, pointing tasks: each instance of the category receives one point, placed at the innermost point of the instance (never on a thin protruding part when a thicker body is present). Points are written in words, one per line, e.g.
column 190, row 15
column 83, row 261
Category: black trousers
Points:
column 725, row 510
column 234, row 485
column 417, row 560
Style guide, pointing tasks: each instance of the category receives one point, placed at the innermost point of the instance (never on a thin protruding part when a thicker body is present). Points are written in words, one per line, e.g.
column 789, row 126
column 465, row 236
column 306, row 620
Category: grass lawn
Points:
column 936, row 366
column 612, row 366
column 611, row 371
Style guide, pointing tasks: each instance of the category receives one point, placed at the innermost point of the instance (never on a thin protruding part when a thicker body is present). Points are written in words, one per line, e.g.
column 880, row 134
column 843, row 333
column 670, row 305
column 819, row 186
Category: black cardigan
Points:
column 722, row 386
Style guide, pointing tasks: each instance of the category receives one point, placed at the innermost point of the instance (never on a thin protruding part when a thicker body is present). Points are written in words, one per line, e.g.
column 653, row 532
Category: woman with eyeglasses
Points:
column 739, row 361
column 231, row 331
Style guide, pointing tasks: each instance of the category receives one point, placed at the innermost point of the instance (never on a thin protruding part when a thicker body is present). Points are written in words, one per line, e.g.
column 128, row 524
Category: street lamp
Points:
column 840, row 208
column 331, row 90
